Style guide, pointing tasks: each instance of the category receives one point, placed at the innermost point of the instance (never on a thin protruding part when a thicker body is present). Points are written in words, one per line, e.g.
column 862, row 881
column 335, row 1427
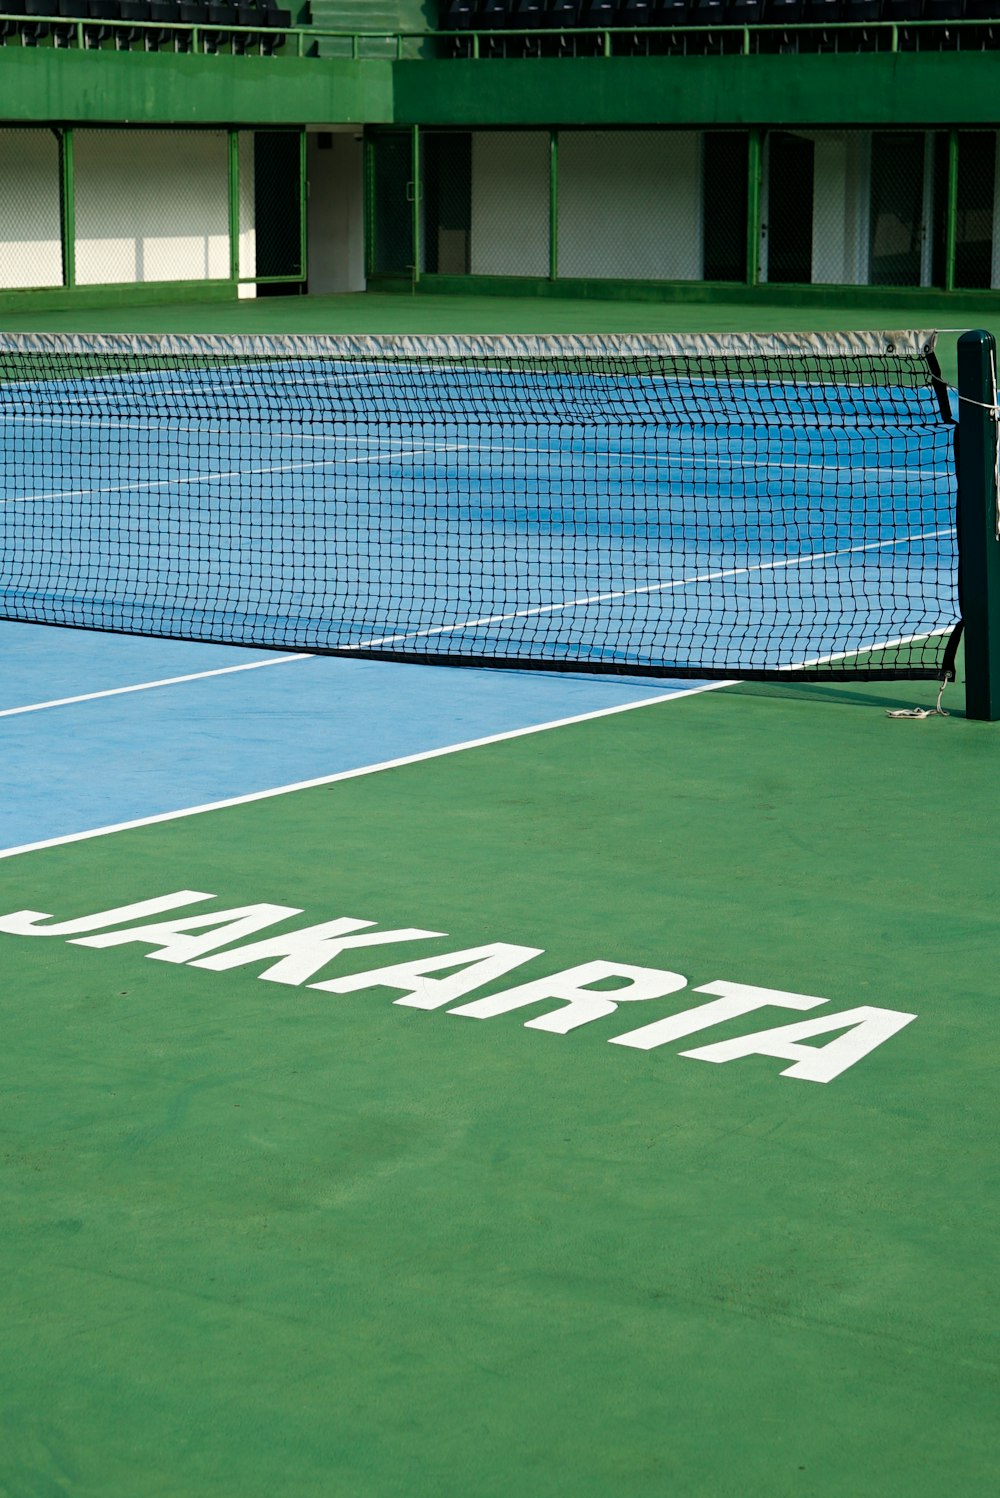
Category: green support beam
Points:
column 233, row 143
column 415, row 196
column 553, row 205
column 951, row 212
column 755, row 168
column 979, row 523
column 67, row 198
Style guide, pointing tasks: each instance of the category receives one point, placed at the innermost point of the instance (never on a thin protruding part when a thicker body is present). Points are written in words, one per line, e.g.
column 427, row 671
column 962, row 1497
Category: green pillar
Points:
column 978, row 523
column 233, row 141
column 755, row 162
column 67, row 193
column 415, row 200
column 951, row 212
column 370, row 167
column 303, row 205
column 553, row 205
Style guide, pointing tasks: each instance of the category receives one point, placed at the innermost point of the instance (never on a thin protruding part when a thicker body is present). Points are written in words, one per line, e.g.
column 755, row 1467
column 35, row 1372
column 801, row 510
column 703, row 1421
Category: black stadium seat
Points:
column 460, row 15
column 561, row 17
column 13, row 27
column 492, row 19
column 744, row 12
column 244, row 41
column 100, row 11
column 63, row 31
column 826, row 13
column 163, row 12
column 277, row 21
column 670, row 13
column 133, row 36
column 525, row 15
column 220, row 13
column 594, row 14
column 192, row 13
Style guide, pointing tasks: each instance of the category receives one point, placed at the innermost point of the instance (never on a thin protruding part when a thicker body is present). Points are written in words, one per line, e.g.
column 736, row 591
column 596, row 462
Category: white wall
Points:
column 630, row 204
column 30, row 236
column 510, row 203
column 336, row 213
column 841, row 207
column 151, row 205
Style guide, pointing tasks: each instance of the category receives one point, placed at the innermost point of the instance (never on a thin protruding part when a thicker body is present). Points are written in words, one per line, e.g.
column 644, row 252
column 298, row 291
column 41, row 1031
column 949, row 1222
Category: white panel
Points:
column 248, row 211
column 841, row 194
column 336, row 214
column 30, row 237
column 151, row 205
column 630, row 204
column 510, row 204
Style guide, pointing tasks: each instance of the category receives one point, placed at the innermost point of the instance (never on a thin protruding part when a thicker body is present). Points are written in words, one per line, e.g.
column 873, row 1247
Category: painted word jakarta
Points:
column 437, row 981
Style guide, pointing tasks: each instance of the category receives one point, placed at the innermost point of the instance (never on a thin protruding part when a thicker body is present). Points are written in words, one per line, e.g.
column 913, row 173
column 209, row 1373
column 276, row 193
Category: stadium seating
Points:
column 148, row 25
column 529, row 28
column 648, row 27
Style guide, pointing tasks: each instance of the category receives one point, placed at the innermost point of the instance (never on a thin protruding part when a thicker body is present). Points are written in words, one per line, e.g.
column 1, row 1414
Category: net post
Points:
column 978, row 543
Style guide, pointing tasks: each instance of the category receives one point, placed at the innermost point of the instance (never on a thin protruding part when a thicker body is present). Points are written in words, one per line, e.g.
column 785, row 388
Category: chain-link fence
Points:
column 271, row 205
column 977, row 241
column 111, row 207
column 30, row 209
column 151, row 205
column 902, row 208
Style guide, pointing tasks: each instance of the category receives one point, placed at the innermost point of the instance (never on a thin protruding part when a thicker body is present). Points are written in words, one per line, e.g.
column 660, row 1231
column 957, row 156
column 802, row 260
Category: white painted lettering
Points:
column 480, row 965
column 735, row 999
column 304, row 952
column 869, row 1027
column 583, row 1003
column 23, row 922
column 177, row 946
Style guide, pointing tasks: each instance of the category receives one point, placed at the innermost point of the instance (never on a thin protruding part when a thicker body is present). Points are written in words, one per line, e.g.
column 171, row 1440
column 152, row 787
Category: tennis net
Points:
column 685, row 507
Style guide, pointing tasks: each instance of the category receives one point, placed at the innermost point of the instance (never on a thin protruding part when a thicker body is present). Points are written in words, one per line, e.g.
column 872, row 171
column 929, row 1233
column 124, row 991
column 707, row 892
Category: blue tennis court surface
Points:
column 629, row 521
column 209, row 723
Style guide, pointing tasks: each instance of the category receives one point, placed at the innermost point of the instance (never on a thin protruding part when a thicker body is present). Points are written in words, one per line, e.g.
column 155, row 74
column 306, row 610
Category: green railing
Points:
column 88, row 34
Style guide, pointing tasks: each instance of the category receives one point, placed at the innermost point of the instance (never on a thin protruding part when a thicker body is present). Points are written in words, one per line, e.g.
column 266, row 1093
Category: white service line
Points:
column 680, row 582
column 210, row 478
column 388, row 764
column 146, row 686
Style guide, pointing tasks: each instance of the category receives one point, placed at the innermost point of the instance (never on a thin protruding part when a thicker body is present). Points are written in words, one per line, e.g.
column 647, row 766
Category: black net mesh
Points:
column 715, row 508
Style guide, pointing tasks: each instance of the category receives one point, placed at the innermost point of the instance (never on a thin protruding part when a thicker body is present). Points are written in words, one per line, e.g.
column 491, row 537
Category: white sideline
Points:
column 146, row 686
column 389, row 764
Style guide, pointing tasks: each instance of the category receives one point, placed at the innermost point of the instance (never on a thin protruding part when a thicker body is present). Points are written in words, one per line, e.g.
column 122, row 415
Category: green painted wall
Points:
column 925, row 88
column 146, row 88
column 929, row 88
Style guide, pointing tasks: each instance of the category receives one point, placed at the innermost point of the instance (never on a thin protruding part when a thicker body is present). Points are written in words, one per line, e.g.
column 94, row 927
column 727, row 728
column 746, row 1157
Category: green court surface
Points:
column 263, row 1238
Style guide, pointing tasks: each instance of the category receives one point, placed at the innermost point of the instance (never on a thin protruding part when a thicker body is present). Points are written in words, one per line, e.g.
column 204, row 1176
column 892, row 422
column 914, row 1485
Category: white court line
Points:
column 847, row 655
column 146, row 686
column 679, row 582
column 205, row 478
column 388, row 764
